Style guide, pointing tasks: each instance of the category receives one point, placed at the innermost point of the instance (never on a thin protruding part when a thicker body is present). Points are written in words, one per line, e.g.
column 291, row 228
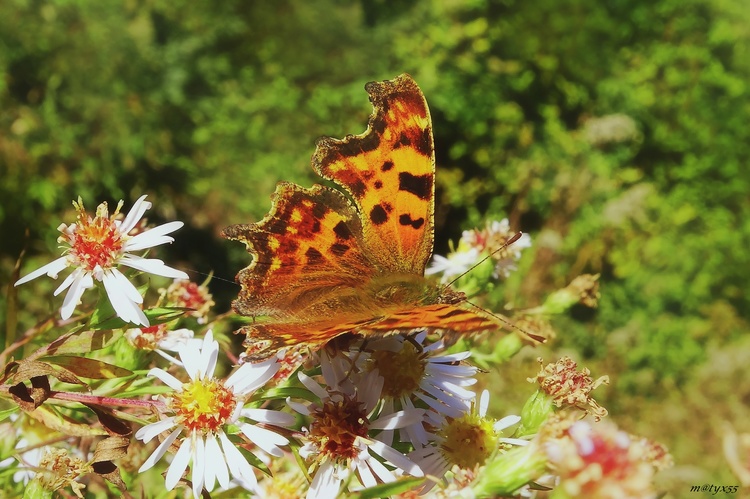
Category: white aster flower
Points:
column 455, row 264
column 340, row 443
column 414, row 374
column 200, row 411
column 96, row 246
column 160, row 338
column 465, row 442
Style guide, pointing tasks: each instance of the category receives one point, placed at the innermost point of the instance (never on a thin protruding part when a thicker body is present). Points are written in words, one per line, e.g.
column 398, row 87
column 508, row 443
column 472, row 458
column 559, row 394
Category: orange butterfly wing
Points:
column 324, row 266
column 389, row 171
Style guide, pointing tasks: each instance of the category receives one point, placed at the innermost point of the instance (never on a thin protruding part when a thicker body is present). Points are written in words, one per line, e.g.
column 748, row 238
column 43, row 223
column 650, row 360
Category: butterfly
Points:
column 351, row 258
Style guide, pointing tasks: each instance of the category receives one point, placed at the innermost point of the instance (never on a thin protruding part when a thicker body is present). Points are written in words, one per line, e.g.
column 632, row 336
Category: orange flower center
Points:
column 401, row 371
column 337, row 425
column 95, row 241
column 204, row 405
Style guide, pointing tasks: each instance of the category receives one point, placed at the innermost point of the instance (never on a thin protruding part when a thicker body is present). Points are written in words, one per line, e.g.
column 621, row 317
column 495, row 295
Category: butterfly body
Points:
column 328, row 262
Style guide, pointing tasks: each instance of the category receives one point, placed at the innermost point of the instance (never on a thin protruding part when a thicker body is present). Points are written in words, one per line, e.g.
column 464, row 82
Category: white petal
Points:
column 160, row 451
column 396, row 458
column 313, row 386
column 381, row 471
column 506, row 422
column 459, row 371
column 216, row 458
column 398, row 419
column 514, row 441
column 301, row 408
column 277, row 418
column 119, row 290
column 484, row 403
column 75, row 275
column 152, row 266
column 238, row 465
column 152, row 237
column 73, row 296
column 265, row 439
column 148, row 432
column 432, row 386
column 325, row 484
column 214, row 462
column 453, row 389
column 372, row 385
column 166, row 378
column 51, row 269
column 135, row 215
column 209, row 355
column 124, row 285
column 198, row 474
column 249, row 377
column 453, row 412
column 452, row 357
column 190, row 355
column 365, row 475
column 179, row 463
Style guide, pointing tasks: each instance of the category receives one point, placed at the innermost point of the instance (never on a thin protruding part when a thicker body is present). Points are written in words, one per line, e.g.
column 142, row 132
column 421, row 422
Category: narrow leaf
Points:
column 88, row 368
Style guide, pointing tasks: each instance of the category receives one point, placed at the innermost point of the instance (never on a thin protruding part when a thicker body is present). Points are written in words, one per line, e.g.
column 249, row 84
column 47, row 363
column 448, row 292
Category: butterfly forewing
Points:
column 389, row 171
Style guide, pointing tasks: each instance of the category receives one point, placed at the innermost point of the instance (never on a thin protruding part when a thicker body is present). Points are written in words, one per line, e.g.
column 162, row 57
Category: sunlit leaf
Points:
column 88, row 368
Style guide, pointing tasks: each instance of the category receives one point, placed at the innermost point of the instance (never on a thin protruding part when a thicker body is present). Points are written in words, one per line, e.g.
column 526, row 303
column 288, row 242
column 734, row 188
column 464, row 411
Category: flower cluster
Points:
column 491, row 242
column 397, row 392
column 399, row 412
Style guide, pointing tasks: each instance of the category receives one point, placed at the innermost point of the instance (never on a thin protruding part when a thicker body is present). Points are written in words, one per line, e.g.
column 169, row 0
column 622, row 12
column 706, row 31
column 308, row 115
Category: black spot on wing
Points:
column 424, row 142
column 453, row 313
column 358, row 188
column 405, row 219
column 314, row 256
column 342, row 231
column 419, row 185
column 378, row 184
column 387, row 165
column 403, row 140
column 319, row 210
column 378, row 215
column 339, row 249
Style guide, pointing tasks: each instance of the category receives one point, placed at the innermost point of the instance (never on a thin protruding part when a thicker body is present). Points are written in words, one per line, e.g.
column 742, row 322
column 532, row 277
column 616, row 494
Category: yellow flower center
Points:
column 94, row 241
column 468, row 440
column 337, row 425
column 401, row 371
column 204, row 405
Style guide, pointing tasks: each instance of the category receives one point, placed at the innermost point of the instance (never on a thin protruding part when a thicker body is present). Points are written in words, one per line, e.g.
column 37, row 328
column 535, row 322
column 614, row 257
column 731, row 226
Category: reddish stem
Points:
column 107, row 401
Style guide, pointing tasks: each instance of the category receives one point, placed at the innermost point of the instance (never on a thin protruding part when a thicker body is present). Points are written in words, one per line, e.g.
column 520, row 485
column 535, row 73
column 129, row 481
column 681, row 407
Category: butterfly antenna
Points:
column 499, row 317
column 510, row 241
column 504, row 320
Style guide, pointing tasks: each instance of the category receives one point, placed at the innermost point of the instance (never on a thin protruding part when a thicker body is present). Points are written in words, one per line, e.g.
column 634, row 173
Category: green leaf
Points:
column 88, row 368
column 388, row 489
column 83, row 342
column 284, row 392
column 7, row 412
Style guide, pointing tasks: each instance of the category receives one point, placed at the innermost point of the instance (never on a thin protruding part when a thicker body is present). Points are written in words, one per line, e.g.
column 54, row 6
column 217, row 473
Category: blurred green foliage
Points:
column 615, row 132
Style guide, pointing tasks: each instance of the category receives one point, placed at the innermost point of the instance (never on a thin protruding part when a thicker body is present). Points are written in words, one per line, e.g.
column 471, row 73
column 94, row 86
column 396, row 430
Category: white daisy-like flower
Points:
column 96, row 246
column 200, row 411
column 466, row 441
column 455, row 264
column 414, row 374
column 340, row 441
column 161, row 339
